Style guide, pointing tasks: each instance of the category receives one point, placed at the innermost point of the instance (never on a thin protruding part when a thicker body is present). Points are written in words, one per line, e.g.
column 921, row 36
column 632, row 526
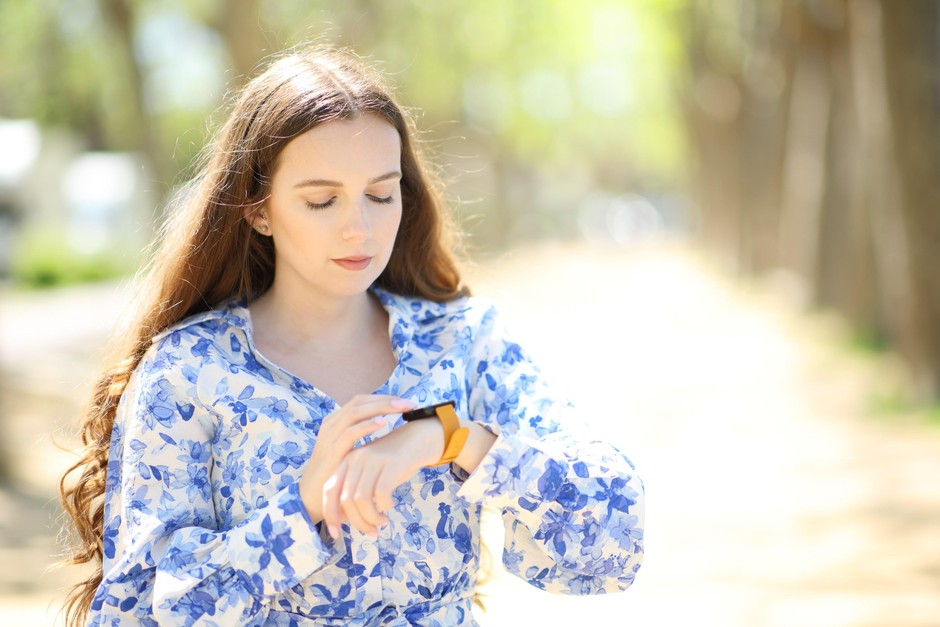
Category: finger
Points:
column 333, row 514
column 344, row 441
column 365, row 407
column 349, row 503
column 382, row 493
column 361, row 399
column 360, row 421
column 363, row 494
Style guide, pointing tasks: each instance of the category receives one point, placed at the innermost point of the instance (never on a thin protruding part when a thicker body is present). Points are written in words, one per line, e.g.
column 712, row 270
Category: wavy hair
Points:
column 207, row 252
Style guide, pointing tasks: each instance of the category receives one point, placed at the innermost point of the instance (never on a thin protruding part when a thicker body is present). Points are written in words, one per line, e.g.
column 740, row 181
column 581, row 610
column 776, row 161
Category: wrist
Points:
column 428, row 440
column 479, row 442
column 311, row 499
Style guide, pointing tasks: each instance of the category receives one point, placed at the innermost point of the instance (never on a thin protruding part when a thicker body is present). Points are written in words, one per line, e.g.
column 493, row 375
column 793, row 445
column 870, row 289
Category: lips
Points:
column 354, row 263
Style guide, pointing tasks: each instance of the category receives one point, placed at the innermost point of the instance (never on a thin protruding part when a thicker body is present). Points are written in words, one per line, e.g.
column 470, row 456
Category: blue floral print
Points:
column 203, row 518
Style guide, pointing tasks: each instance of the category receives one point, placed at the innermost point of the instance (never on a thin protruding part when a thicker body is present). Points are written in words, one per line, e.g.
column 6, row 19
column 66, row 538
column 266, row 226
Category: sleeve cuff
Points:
column 516, row 477
column 283, row 540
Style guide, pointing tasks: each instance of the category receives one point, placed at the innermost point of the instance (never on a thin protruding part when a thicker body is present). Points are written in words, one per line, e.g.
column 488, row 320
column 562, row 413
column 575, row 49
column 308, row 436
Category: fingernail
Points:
column 400, row 403
column 379, row 419
column 334, row 532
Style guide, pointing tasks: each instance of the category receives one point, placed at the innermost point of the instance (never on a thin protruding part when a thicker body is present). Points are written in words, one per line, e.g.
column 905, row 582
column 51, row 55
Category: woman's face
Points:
column 335, row 206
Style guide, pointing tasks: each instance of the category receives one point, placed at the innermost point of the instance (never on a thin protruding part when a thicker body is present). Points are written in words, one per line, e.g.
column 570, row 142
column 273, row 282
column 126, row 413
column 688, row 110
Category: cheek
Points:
column 312, row 233
column 389, row 222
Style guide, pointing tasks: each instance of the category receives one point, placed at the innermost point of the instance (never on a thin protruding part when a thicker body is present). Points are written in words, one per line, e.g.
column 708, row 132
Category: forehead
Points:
column 366, row 145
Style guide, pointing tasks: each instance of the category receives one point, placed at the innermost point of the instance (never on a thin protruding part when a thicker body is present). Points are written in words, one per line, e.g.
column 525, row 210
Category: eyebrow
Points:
column 394, row 174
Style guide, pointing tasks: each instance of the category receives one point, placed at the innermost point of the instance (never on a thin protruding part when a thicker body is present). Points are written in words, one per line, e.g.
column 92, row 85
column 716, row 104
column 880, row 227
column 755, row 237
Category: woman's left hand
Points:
column 360, row 489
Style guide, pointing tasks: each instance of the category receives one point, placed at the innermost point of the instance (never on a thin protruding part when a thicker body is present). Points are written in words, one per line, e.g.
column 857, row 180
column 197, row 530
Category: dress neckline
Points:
column 398, row 328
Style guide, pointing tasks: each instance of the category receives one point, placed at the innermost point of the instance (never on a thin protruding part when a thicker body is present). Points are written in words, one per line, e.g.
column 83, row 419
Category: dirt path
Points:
column 776, row 496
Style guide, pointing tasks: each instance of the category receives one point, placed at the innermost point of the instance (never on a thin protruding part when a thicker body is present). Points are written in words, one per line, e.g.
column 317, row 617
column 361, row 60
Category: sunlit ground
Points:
column 776, row 494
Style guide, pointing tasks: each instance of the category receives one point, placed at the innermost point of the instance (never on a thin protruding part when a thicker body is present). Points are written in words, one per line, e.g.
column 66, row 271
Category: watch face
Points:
column 424, row 412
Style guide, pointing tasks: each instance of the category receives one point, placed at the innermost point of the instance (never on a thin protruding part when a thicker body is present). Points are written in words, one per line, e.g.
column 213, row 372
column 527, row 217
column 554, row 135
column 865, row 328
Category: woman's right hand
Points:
column 338, row 433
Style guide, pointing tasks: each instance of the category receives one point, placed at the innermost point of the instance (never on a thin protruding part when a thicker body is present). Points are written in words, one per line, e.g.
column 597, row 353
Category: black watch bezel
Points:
column 425, row 412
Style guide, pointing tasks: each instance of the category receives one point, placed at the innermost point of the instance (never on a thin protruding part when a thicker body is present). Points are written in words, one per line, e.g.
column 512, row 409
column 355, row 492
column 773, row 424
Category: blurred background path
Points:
column 791, row 478
column 777, row 493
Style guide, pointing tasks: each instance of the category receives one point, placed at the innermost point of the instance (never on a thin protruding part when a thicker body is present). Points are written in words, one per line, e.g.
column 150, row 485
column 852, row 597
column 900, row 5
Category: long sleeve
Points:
column 166, row 559
column 573, row 507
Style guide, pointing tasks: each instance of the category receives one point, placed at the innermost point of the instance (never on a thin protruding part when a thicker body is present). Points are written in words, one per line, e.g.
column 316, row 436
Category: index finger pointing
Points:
column 354, row 412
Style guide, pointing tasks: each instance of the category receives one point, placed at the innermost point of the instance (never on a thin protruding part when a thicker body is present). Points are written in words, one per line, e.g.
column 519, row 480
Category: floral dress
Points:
column 203, row 518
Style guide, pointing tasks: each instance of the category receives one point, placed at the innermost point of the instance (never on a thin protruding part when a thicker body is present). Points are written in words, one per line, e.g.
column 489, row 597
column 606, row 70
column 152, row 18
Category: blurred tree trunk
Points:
column 879, row 314
column 805, row 164
column 738, row 113
column 5, row 463
column 768, row 81
column 843, row 278
column 121, row 17
column 911, row 33
column 713, row 117
column 240, row 26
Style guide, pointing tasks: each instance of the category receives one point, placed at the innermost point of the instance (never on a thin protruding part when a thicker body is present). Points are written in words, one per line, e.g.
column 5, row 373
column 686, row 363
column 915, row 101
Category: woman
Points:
column 251, row 447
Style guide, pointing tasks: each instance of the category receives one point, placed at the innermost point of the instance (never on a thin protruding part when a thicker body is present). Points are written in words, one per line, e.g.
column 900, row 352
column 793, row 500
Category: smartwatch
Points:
column 455, row 436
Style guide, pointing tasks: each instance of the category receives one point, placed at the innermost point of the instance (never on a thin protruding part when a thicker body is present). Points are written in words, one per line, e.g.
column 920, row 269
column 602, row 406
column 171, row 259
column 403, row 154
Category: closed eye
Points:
column 321, row 205
column 385, row 200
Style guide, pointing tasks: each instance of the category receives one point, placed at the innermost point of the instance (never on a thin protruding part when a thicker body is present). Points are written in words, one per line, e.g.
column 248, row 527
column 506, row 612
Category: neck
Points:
column 300, row 318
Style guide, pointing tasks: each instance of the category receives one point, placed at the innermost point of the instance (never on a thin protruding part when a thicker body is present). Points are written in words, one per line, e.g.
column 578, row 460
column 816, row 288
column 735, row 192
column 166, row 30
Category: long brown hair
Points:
column 207, row 252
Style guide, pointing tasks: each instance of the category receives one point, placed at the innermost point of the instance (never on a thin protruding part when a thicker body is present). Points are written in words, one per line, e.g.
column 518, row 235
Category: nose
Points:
column 356, row 226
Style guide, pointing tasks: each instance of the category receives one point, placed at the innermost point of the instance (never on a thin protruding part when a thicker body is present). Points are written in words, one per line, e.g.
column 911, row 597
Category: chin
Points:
column 350, row 285
column 354, row 287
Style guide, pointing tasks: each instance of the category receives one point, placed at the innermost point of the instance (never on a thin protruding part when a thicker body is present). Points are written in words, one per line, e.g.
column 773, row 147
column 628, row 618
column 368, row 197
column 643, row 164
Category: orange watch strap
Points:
column 455, row 436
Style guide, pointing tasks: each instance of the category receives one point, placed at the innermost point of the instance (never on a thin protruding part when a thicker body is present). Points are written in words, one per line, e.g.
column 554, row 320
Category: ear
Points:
column 257, row 218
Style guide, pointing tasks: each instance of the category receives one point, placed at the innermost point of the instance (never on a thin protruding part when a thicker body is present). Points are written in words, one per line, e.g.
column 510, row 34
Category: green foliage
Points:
column 890, row 402
column 58, row 65
column 550, row 81
column 892, row 399
column 868, row 341
column 46, row 258
column 547, row 80
column 557, row 98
